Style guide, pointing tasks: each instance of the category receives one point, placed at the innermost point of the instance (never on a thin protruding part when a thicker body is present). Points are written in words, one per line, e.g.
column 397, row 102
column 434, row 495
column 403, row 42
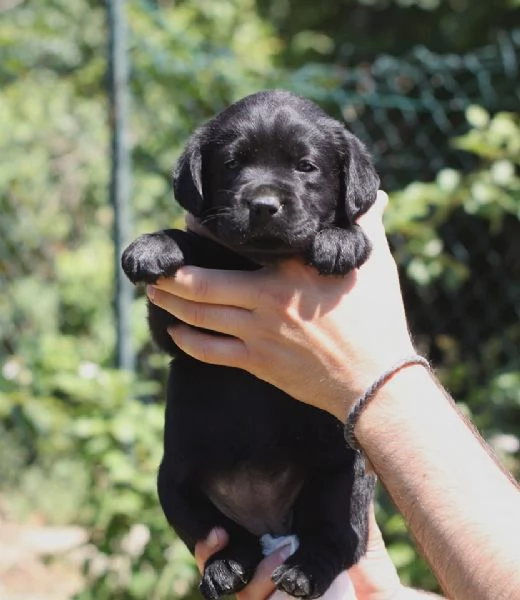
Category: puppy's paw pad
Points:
column 294, row 581
column 223, row 577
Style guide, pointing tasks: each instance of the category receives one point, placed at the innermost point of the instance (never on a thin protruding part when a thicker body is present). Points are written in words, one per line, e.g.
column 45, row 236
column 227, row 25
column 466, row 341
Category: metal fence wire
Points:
column 407, row 110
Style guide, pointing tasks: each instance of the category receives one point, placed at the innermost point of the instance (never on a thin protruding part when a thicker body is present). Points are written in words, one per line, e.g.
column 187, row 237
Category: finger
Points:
column 224, row 319
column 341, row 588
column 215, row 541
column 191, row 221
column 208, row 348
column 214, row 286
column 375, row 537
column 372, row 223
column 375, row 574
column 372, row 220
column 262, row 586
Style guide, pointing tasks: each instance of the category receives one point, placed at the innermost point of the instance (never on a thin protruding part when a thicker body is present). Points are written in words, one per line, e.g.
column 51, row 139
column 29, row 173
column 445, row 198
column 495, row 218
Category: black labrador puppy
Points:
column 271, row 177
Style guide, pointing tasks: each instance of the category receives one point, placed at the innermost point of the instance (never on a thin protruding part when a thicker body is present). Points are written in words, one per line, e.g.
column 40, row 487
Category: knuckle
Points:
column 200, row 287
column 261, row 296
column 272, row 298
column 258, row 362
column 291, row 313
column 204, row 353
column 197, row 314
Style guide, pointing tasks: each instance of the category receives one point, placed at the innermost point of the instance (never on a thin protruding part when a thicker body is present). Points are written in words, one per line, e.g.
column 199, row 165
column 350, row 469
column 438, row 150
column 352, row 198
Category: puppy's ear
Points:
column 360, row 177
column 187, row 177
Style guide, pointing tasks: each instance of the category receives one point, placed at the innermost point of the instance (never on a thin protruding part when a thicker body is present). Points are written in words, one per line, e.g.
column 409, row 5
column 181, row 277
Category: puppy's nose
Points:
column 263, row 208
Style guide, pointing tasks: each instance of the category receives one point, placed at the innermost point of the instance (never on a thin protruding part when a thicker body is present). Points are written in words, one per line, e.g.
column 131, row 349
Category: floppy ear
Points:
column 187, row 176
column 360, row 178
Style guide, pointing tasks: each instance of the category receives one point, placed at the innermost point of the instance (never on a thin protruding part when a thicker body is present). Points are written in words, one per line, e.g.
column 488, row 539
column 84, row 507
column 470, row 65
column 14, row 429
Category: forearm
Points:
column 459, row 505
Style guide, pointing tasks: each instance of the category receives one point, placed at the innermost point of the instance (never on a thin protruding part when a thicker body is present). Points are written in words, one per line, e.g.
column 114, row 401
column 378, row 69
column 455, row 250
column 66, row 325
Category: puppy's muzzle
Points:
column 263, row 208
column 263, row 204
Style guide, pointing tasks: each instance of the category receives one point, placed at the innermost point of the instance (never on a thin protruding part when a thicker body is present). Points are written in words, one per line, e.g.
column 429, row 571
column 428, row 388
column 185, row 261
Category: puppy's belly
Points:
column 258, row 499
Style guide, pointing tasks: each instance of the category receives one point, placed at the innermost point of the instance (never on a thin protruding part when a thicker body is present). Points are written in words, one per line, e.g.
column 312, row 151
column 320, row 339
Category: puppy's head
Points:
column 272, row 170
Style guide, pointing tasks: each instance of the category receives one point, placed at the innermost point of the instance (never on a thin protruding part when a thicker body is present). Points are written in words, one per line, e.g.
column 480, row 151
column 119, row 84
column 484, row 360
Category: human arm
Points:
column 324, row 341
column 261, row 585
column 462, row 509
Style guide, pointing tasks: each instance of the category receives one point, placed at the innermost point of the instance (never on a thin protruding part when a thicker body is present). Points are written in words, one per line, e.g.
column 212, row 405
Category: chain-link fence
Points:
column 408, row 111
column 66, row 412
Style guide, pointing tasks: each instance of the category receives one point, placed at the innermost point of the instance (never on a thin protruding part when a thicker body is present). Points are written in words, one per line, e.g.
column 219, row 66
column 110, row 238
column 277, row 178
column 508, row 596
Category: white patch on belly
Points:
column 258, row 499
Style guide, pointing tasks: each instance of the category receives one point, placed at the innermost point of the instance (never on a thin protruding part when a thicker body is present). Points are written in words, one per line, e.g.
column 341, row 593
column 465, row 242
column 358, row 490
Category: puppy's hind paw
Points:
column 223, row 577
column 293, row 580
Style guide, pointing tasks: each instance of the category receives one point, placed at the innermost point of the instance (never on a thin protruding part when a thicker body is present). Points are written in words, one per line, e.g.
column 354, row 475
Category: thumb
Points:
column 216, row 540
column 372, row 224
column 372, row 220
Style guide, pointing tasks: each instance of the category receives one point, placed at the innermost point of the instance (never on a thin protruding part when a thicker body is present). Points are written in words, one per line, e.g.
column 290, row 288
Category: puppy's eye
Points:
column 305, row 166
column 232, row 164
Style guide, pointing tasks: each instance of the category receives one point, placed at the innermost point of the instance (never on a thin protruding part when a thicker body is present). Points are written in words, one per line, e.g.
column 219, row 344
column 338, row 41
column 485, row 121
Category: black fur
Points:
column 272, row 176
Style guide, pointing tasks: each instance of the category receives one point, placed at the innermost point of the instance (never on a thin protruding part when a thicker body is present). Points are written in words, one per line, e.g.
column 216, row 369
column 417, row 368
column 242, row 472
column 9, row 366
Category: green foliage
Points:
column 485, row 384
column 351, row 31
column 81, row 442
column 188, row 61
column 491, row 193
column 97, row 449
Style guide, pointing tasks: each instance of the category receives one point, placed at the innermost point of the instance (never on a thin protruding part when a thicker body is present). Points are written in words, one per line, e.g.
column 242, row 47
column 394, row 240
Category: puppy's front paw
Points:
column 151, row 256
column 337, row 251
column 222, row 577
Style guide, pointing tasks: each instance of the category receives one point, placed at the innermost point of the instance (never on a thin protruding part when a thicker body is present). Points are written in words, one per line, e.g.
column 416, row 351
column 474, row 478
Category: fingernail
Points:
column 285, row 552
column 213, row 539
column 150, row 292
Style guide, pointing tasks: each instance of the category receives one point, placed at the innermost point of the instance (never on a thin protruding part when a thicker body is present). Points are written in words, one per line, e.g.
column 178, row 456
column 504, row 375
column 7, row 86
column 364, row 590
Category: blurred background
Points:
column 431, row 86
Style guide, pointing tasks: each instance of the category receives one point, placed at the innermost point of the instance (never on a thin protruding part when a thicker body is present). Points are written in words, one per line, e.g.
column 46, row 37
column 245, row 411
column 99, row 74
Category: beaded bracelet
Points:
column 361, row 403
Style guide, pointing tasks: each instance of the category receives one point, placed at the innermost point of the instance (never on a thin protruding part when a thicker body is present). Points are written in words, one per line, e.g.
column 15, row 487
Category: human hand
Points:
column 261, row 586
column 323, row 340
column 373, row 578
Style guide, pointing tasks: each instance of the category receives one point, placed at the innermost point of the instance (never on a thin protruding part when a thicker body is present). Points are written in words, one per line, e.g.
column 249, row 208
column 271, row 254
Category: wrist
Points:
column 403, row 392
column 431, row 461
column 372, row 390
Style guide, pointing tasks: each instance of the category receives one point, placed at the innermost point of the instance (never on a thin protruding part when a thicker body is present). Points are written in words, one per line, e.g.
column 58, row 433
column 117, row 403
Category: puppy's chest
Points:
column 257, row 498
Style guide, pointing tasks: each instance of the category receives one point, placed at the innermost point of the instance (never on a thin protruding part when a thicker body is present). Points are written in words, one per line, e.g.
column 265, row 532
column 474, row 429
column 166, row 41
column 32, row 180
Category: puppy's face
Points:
column 270, row 172
column 271, row 183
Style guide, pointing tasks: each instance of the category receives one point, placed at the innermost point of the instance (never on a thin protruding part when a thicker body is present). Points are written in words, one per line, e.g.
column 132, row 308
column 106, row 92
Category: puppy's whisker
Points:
column 219, row 209
column 208, row 219
column 216, row 214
